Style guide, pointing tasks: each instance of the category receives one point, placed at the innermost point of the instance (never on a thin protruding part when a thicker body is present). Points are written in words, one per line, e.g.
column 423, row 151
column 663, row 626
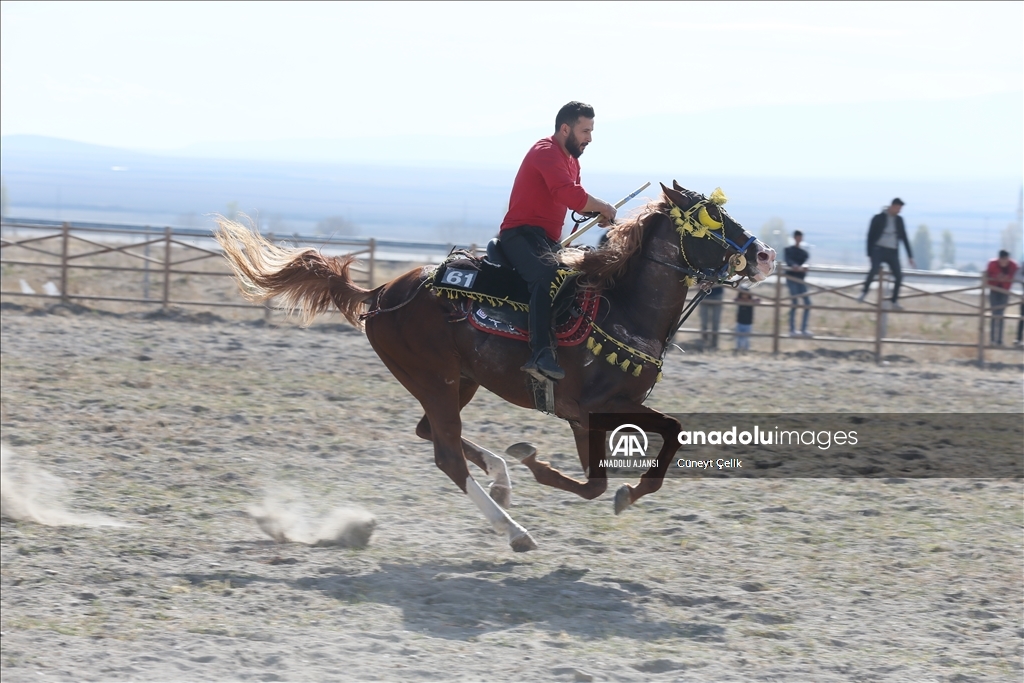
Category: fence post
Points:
column 880, row 319
column 167, row 267
column 145, row 274
column 373, row 256
column 981, row 323
column 267, row 310
column 778, row 313
column 65, row 241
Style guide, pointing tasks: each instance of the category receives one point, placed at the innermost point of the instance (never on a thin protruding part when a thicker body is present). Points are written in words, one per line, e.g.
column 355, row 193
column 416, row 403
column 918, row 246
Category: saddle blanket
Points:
column 495, row 299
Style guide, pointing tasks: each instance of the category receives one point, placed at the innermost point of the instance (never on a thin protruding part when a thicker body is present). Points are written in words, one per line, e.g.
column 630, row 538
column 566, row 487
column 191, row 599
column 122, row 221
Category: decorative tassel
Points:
column 637, row 369
column 612, row 358
column 658, row 378
column 625, row 365
column 596, row 350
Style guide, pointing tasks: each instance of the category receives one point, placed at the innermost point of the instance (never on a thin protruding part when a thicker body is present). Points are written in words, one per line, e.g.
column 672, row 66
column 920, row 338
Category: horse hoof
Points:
column 523, row 543
column 521, row 451
column 502, row 495
column 622, row 499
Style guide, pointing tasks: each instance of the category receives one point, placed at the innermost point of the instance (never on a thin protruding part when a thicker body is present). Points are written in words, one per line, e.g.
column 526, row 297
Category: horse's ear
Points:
column 676, row 197
column 677, row 186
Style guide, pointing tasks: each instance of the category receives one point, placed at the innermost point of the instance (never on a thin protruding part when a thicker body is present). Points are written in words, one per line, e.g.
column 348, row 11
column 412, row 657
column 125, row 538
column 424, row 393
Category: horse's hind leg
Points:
column 494, row 465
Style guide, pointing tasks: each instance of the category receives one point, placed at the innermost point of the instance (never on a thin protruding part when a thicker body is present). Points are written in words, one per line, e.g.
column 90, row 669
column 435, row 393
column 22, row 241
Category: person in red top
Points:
column 546, row 186
column 999, row 278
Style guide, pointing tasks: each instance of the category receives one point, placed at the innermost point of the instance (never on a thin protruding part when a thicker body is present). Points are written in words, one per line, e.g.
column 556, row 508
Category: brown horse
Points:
column 643, row 274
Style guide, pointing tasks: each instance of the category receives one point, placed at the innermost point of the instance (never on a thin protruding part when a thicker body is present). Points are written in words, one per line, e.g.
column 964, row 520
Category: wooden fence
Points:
column 159, row 256
column 948, row 297
column 164, row 259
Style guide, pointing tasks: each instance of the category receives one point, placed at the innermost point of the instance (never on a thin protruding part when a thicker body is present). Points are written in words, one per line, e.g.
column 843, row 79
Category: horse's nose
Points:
column 766, row 255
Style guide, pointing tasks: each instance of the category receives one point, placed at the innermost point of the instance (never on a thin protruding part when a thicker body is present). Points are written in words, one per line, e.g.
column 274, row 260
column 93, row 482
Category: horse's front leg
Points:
column 545, row 474
column 654, row 477
column 450, row 458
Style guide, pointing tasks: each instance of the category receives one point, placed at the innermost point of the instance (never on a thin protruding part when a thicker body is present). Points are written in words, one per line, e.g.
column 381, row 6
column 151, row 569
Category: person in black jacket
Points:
column 884, row 236
column 796, row 257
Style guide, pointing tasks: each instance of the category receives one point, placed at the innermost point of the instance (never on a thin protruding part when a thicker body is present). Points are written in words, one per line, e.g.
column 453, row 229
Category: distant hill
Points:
column 60, row 179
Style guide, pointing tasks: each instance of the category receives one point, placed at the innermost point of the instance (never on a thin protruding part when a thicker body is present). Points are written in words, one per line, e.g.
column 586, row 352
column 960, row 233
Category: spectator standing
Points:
column 999, row 278
column 796, row 270
column 710, row 318
column 1020, row 323
column 745, row 302
column 884, row 236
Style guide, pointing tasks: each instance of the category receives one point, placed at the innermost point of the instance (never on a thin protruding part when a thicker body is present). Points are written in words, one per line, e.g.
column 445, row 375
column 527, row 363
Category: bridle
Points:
column 697, row 223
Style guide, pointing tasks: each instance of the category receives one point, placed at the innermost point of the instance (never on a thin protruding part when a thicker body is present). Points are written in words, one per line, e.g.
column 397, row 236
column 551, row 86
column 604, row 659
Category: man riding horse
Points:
column 548, row 184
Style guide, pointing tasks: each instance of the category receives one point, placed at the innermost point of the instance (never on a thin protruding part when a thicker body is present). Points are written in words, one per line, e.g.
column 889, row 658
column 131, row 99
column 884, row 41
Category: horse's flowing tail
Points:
column 305, row 280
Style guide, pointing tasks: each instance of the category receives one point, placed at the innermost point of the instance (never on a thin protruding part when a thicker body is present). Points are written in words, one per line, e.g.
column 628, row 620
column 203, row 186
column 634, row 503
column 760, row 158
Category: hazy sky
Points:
column 169, row 75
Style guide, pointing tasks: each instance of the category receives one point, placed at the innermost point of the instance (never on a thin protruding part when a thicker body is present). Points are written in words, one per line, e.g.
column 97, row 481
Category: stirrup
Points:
column 543, row 392
column 536, row 369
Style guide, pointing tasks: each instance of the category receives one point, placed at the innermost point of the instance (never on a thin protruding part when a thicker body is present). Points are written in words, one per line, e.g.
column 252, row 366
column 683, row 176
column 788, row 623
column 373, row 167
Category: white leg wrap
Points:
column 498, row 518
column 496, row 468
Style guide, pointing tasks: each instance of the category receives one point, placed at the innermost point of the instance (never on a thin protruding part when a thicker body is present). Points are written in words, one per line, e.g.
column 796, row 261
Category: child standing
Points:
column 744, row 318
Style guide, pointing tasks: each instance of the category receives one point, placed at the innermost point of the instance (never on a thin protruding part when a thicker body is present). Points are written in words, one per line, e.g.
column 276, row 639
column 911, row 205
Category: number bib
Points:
column 462, row 279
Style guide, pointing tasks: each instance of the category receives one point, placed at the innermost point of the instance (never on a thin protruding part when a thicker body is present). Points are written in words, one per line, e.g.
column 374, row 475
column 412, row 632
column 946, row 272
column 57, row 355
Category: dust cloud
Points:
column 31, row 494
column 282, row 516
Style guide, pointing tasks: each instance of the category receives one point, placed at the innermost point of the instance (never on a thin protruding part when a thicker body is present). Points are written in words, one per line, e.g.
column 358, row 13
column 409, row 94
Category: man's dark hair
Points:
column 571, row 113
column 797, row 233
column 896, row 202
column 1004, row 254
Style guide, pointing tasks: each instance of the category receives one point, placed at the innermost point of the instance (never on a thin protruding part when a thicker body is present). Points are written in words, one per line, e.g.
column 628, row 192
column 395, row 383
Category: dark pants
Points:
column 710, row 319
column 796, row 288
column 1020, row 324
column 880, row 255
column 997, row 300
column 529, row 249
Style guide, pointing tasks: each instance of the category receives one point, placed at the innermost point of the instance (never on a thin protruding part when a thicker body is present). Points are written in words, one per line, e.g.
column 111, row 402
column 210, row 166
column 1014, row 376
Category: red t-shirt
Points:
column 998, row 277
column 547, row 184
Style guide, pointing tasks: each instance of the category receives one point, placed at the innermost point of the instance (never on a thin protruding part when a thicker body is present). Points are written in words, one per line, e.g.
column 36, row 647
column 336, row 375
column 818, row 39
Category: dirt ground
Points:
column 176, row 426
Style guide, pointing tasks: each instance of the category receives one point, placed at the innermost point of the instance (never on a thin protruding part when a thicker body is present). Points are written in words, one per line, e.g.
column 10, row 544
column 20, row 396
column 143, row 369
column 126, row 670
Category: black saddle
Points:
column 496, row 255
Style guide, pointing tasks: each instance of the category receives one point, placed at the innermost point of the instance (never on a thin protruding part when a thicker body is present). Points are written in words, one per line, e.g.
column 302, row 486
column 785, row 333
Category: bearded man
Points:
column 546, row 186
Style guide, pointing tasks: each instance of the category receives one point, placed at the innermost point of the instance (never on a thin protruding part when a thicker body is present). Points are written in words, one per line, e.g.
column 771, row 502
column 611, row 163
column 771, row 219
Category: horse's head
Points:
column 711, row 241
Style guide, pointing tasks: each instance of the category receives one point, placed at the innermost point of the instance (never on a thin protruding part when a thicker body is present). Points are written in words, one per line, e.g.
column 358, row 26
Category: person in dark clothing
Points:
column 744, row 318
column 547, row 184
column 884, row 236
column 796, row 270
column 710, row 318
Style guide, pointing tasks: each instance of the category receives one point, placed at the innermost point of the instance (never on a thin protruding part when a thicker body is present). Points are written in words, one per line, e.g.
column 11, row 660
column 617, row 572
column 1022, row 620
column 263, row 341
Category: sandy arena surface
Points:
column 177, row 426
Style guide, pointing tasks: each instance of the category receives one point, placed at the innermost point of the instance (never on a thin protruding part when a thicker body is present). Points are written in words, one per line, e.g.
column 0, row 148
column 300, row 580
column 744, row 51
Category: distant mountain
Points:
column 970, row 138
column 69, row 150
column 441, row 201
column 978, row 137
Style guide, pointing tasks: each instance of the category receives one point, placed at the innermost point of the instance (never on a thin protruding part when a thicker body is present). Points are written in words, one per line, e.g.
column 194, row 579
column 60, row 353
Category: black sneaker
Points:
column 543, row 366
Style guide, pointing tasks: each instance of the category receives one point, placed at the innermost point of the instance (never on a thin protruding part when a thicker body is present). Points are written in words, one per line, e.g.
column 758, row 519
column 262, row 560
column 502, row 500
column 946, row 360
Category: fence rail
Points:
column 167, row 256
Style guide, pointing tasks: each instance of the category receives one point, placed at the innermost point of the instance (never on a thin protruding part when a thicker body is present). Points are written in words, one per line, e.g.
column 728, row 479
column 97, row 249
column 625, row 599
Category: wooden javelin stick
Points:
column 594, row 222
